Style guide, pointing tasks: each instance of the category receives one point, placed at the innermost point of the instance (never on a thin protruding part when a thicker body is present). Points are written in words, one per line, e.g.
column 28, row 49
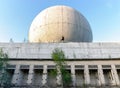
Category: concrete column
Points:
column 44, row 77
column 115, row 75
column 16, row 75
column 59, row 77
column 30, row 74
column 86, row 75
column 101, row 75
column 73, row 75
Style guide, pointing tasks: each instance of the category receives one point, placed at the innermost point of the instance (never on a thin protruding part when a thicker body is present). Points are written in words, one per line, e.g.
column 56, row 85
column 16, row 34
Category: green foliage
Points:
column 4, row 79
column 66, row 77
column 53, row 72
column 59, row 59
column 3, row 59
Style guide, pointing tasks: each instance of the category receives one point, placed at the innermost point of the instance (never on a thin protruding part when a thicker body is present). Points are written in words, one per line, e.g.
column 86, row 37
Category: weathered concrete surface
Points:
column 60, row 21
column 72, row 50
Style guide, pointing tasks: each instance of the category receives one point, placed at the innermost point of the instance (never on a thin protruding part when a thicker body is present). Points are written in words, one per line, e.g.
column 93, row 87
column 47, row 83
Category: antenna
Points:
column 11, row 41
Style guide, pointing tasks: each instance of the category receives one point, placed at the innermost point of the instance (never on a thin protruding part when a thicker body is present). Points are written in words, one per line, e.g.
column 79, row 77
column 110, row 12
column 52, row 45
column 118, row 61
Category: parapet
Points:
column 72, row 51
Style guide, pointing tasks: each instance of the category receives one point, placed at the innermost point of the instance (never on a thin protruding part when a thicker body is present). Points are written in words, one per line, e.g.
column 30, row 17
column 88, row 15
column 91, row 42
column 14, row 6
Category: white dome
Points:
column 60, row 22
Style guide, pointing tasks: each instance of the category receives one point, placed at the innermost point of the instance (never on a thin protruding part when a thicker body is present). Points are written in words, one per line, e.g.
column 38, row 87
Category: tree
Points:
column 4, row 80
column 60, row 61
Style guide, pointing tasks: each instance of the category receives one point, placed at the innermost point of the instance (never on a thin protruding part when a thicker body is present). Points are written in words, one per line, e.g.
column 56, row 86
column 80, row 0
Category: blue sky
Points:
column 103, row 15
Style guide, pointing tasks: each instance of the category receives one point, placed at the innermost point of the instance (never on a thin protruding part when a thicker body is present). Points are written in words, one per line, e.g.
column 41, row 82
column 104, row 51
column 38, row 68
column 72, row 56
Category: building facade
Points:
column 90, row 64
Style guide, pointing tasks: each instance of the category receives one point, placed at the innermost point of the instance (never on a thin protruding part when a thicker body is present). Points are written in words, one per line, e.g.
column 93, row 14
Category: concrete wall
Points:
column 72, row 50
column 89, row 63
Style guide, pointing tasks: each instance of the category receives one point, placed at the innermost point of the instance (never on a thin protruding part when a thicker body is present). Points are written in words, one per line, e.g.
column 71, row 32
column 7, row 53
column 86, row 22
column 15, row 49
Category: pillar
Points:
column 86, row 75
column 59, row 77
column 30, row 74
column 101, row 76
column 73, row 75
column 115, row 75
column 44, row 77
column 16, row 75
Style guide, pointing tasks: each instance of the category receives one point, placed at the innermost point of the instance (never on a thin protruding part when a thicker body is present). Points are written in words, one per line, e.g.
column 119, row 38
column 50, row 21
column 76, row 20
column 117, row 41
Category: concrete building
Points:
column 90, row 64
